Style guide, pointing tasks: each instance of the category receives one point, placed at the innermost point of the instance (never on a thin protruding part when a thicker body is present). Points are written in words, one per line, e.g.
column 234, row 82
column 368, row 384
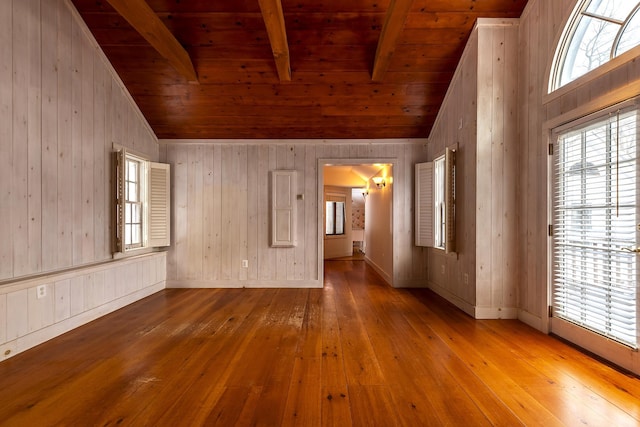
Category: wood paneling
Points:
column 329, row 45
column 355, row 353
column 61, row 108
column 73, row 298
column 235, row 213
column 479, row 117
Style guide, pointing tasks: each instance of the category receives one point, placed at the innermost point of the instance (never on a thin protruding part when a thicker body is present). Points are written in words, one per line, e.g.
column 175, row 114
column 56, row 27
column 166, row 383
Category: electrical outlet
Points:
column 442, row 268
column 41, row 291
column 245, row 263
column 466, row 278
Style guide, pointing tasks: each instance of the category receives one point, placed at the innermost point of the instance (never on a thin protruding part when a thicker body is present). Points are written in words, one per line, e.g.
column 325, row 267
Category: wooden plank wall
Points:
column 541, row 25
column 61, row 108
column 479, row 117
column 220, row 210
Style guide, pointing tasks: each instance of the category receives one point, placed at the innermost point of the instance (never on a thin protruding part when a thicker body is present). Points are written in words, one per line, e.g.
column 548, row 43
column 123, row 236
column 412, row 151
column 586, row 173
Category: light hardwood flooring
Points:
column 354, row 353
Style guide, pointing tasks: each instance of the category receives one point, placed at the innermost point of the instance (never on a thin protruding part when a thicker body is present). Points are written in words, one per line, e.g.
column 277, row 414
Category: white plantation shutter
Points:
column 159, row 203
column 595, row 225
column 119, row 171
column 450, row 200
column 424, row 204
column 283, row 208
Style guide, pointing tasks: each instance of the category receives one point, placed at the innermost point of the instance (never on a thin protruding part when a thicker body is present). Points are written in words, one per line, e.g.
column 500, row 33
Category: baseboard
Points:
column 453, row 299
column 496, row 313
column 531, row 320
column 385, row 276
column 234, row 284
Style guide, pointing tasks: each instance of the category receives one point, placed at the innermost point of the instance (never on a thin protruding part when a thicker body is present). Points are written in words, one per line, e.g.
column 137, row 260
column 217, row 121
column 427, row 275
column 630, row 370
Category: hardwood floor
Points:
column 354, row 353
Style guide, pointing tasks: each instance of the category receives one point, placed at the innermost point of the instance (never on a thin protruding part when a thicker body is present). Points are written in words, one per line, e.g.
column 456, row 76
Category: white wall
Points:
column 379, row 225
column 61, row 108
column 220, row 210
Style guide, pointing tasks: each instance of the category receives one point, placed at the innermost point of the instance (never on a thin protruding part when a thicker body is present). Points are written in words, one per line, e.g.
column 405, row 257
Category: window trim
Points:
column 565, row 39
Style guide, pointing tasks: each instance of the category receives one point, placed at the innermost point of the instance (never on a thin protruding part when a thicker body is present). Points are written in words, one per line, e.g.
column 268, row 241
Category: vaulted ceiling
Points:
column 288, row 68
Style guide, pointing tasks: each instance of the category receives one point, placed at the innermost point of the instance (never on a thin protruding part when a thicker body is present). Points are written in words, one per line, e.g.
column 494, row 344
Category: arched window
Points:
column 598, row 31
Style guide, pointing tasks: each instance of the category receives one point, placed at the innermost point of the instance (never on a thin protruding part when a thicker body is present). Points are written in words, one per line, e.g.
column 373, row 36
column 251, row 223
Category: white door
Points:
column 595, row 226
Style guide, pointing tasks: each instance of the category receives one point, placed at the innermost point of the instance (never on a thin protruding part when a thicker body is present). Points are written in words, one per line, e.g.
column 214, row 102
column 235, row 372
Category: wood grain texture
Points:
column 146, row 22
column 223, row 229
column 327, row 51
column 393, row 25
column 354, row 353
column 63, row 107
column 481, row 278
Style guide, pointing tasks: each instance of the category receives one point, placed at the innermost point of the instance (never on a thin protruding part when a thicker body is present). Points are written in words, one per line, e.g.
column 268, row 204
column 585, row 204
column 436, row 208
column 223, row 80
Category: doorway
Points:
column 341, row 183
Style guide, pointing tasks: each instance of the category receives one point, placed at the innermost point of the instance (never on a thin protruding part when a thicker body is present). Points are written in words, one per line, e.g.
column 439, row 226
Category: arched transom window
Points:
column 598, row 31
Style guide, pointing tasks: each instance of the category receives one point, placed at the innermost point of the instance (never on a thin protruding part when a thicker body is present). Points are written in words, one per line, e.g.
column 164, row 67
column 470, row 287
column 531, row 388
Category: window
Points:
column 595, row 225
column 142, row 203
column 335, row 218
column 133, row 203
column 435, row 202
column 598, row 31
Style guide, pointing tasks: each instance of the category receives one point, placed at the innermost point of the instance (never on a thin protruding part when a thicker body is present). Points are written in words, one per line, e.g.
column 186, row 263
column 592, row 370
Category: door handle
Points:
column 636, row 250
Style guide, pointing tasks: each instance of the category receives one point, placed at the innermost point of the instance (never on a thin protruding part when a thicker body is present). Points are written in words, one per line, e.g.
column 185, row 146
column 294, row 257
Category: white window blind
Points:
column 595, row 225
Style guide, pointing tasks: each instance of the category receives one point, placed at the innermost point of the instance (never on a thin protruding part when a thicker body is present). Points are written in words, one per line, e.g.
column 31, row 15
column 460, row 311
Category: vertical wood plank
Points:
column 65, row 156
column 100, row 181
column 227, row 231
column 49, row 135
column 62, row 309
column 76, row 142
column 208, row 227
column 34, row 136
column 217, row 210
column 242, row 210
column 88, row 157
column 19, row 200
column 179, row 223
column 264, row 260
column 194, row 212
column 311, row 213
column 496, row 38
column 17, row 314
column 253, row 215
column 302, row 221
column 76, row 295
column 6, row 148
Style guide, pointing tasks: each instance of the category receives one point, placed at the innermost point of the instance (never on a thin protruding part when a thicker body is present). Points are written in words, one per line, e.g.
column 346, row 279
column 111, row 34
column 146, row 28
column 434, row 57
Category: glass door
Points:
column 595, row 226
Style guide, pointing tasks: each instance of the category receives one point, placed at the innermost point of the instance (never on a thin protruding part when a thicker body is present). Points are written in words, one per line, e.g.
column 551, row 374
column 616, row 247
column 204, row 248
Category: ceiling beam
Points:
column 144, row 20
column 393, row 24
column 274, row 21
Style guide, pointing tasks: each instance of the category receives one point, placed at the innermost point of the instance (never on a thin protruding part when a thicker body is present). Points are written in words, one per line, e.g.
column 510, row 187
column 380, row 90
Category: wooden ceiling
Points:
column 238, row 51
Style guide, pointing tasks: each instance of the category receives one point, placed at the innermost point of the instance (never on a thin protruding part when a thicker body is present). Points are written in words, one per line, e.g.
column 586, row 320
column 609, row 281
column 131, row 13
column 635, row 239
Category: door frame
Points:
column 320, row 203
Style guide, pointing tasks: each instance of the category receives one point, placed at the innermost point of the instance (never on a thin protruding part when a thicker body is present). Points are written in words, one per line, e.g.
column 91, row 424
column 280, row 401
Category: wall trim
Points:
column 386, row 141
column 532, row 320
column 495, row 313
column 453, row 299
column 386, row 277
column 235, row 284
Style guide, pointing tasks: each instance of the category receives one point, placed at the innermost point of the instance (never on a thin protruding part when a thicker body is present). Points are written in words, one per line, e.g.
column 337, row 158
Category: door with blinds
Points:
column 596, row 227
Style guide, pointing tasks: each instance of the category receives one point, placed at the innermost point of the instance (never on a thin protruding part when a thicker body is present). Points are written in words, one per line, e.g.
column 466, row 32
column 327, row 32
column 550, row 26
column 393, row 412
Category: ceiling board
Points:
column 332, row 46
